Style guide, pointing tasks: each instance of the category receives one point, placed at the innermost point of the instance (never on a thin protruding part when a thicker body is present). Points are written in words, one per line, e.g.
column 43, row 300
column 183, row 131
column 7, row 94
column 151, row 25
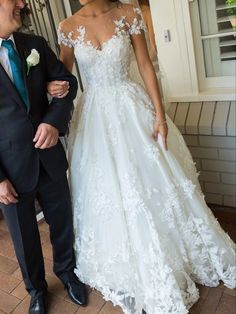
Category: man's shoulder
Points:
column 26, row 37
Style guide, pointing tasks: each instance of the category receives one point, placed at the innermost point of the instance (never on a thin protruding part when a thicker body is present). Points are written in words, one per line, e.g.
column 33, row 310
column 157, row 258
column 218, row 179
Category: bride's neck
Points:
column 97, row 7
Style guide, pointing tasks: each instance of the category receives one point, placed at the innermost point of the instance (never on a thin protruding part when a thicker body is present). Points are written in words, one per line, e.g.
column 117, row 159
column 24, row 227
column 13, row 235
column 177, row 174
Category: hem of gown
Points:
column 187, row 302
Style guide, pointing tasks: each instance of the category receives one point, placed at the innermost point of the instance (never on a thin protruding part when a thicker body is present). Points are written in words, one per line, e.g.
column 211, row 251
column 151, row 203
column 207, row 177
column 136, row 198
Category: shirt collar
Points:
column 11, row 38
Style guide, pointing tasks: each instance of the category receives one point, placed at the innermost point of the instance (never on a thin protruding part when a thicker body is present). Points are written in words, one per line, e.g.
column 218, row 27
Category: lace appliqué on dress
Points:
column 138, row 24
column 67, row 40
column 143, row 232
column 122, row 28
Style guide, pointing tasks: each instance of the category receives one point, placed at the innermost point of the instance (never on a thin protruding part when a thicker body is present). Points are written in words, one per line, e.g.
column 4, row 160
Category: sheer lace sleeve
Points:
column 137, row 24
column 65, row 38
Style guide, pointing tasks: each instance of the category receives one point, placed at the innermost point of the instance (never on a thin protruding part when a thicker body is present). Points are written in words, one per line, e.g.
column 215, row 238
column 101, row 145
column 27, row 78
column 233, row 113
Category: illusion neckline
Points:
column 101, row 14
column 100, row 48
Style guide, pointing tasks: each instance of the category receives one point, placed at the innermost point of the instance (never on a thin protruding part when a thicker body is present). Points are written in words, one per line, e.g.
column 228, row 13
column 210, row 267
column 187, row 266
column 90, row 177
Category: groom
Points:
column 32, row 161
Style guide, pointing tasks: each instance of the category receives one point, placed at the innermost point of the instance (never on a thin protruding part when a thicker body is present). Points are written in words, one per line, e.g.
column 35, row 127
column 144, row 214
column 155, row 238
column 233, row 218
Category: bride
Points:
column 143, row 232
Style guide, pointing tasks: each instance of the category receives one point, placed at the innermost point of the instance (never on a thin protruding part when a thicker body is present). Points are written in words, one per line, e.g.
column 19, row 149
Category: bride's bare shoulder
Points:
column 71, row 23
column 126, row 7
column 128, row 10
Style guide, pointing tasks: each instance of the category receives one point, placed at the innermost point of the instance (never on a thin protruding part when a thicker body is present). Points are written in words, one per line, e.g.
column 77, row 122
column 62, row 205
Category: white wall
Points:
column 178, row 69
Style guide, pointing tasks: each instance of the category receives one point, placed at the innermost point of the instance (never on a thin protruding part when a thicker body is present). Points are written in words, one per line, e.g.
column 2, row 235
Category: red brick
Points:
column 211, row 303
column 196, row 308
column 231, row 292
column 7, row 302
column 20, row 291
column 3, row 225
column 7, row 265
column 57, row 305
column 17, row 274
column 48, row 266
column 23, row 307
column 6, row 246
column 44, row 236
column 47, row 250
column 7, row 282
column 108, row 308
column 227, row 305
column 203, row 291
column 43, row 226
column 55, row 286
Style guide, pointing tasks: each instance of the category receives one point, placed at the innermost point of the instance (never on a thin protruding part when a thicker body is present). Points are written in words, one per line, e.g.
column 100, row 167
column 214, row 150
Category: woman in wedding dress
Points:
column 143, row 232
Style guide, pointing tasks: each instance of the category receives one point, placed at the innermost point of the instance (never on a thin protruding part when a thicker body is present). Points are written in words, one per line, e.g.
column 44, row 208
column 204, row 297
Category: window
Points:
column 41, row 22
column 213, row 23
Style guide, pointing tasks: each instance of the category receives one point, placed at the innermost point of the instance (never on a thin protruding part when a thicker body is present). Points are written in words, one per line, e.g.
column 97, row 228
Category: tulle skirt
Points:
column 143, row 232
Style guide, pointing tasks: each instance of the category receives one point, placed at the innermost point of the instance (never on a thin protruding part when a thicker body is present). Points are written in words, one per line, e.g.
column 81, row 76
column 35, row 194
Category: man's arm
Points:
column 60, row 109
column 8, row 193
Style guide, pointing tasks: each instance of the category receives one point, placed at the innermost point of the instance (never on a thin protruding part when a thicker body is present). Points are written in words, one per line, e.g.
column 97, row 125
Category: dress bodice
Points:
column 108, row 64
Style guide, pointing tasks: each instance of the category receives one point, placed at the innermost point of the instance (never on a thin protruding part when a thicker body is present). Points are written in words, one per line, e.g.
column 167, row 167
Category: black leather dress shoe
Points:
column 77, row 292
column 37, row 305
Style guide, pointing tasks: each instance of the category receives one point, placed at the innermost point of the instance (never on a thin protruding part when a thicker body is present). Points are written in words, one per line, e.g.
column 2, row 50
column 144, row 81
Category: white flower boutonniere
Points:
column 32, row 60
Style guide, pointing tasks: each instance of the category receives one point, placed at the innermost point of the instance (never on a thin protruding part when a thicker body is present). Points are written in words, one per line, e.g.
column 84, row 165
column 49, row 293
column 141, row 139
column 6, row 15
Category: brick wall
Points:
column 209, row 131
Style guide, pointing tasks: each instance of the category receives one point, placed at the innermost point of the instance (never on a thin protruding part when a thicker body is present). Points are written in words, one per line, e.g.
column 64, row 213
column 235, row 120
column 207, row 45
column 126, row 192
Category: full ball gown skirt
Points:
column 143, row 232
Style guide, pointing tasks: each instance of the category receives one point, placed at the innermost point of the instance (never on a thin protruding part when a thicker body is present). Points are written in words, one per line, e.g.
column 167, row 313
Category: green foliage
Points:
column 231, row 10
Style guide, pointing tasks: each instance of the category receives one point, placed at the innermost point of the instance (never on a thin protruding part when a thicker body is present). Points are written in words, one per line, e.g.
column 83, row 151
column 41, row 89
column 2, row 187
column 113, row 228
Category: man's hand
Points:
column 58, row 89
column 46, row 136
column 8, row 194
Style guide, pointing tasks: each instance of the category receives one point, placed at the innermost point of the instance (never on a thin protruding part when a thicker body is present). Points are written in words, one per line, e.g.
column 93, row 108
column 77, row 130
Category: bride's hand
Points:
column 58, row 89
column 160, row 126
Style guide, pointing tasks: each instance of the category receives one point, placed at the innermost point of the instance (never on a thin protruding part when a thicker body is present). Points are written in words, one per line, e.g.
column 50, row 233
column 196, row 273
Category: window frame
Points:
column 204, row 81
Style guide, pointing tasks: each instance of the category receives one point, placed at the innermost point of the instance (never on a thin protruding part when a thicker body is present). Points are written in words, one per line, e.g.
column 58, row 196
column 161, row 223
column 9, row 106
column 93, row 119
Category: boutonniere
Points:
column 32, row 60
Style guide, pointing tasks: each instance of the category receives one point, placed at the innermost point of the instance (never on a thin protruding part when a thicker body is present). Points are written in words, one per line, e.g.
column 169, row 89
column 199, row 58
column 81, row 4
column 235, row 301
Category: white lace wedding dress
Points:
column 143, row 232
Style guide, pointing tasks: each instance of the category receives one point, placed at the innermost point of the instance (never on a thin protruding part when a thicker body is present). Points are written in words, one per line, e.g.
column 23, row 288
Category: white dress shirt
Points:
column 4, row 60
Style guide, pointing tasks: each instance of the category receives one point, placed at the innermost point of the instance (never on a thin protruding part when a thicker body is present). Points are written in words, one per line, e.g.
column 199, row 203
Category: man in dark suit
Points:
column 32, row 160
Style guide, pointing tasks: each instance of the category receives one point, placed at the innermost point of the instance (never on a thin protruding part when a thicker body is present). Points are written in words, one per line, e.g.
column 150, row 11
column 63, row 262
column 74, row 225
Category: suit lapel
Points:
column 9, row 84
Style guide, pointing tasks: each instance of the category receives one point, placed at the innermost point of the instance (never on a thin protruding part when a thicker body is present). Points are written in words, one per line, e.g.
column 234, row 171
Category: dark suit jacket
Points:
column 19, row 160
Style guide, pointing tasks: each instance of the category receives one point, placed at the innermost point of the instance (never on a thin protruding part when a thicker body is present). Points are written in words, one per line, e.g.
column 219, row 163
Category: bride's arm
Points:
column 67, row 57
column 149, row 77
column 153, row 47
column 56, row 88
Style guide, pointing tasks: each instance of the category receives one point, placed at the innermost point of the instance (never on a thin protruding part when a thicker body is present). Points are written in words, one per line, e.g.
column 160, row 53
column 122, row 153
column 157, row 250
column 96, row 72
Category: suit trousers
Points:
column 54, row 199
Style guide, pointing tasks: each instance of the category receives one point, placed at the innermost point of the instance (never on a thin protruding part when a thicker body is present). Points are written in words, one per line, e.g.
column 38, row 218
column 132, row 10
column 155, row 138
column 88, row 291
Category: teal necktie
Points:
column 16, row 68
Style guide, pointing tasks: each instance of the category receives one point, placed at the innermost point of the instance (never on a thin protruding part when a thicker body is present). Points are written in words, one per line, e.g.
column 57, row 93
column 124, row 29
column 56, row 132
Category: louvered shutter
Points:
column 218, row 37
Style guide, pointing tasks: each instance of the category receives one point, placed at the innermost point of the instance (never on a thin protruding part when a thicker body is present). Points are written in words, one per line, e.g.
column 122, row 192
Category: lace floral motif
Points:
column 138, row 24
column 67, row 40
column 143, row 232
column 122, row 28
column 153, row 153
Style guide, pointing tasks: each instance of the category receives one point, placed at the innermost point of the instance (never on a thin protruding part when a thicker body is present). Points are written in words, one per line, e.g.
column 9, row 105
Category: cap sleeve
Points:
column 64, row 38
column 137, row 25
